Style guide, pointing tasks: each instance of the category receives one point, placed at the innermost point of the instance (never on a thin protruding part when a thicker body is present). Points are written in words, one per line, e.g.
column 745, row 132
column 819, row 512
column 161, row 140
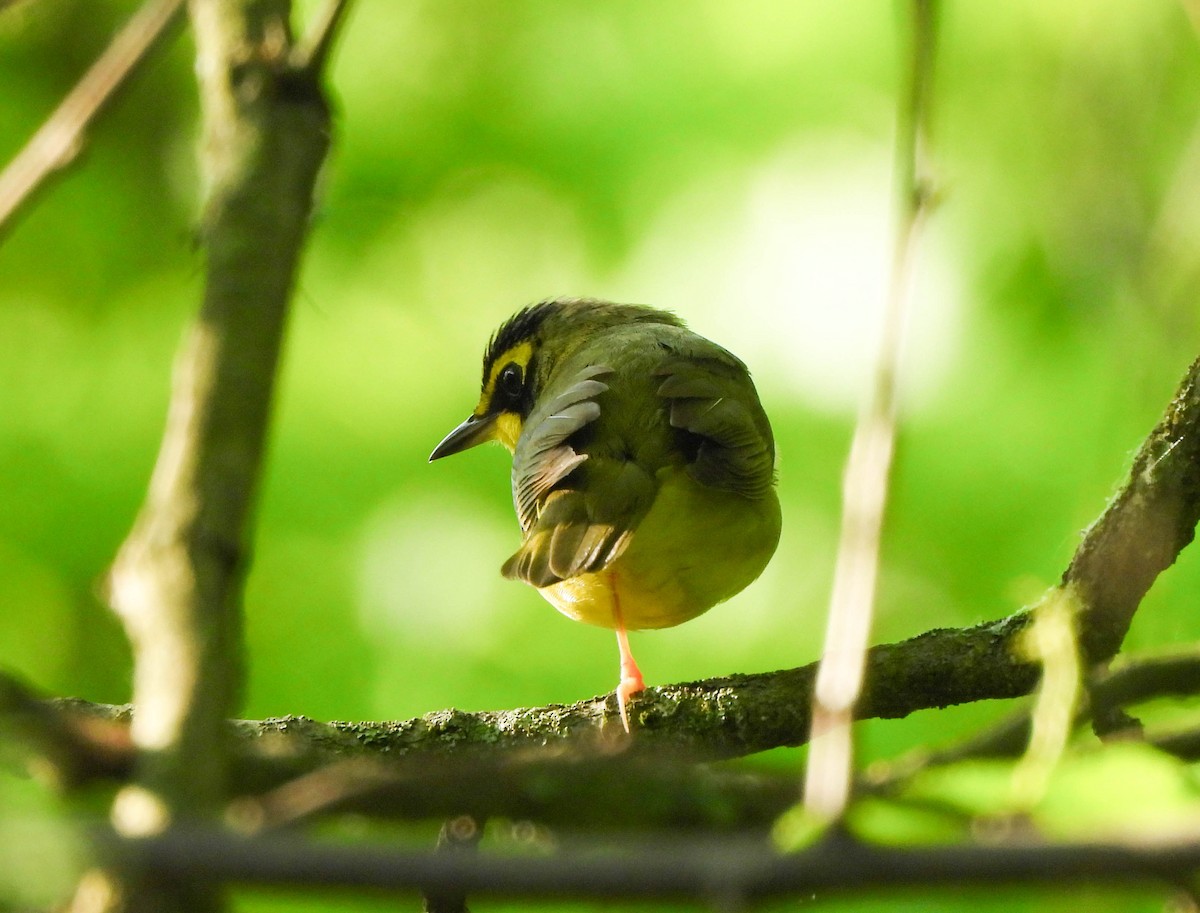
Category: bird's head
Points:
column 521, row 357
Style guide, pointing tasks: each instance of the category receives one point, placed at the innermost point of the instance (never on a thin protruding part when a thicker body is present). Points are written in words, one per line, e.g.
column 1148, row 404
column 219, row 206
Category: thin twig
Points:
column 312, row 51
column 839, row 681
column 60, row 138
column 603, row 793
column 1136, row 680
column 739, row 870
column 1175, row 674
column 1184, row 744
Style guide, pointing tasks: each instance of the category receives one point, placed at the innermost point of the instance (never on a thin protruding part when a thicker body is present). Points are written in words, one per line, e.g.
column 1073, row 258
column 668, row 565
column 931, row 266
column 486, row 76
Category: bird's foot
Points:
column 631, row 683
column 631, row 676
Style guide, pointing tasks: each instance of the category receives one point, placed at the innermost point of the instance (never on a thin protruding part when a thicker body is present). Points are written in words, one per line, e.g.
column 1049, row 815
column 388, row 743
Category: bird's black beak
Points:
column 475, row 430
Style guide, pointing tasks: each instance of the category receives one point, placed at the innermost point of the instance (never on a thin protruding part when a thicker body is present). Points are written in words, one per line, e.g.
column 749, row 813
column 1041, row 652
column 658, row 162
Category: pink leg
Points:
column 631, row 676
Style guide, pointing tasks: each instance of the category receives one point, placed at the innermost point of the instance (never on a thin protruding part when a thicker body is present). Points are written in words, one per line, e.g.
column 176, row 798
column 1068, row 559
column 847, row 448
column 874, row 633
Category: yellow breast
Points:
column 696, row 547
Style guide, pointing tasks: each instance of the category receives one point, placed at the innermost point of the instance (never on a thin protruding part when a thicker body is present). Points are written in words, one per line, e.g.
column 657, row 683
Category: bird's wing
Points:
column 543, row 458
column 578, row 524
column 711, row 398
column 583, row 530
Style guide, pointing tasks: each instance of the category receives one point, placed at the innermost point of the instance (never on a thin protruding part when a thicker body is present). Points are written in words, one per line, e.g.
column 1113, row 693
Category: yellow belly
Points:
column 696, row 547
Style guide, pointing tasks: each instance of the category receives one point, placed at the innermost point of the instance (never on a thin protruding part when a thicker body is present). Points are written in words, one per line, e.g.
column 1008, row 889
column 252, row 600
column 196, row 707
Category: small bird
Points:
column 643, row 470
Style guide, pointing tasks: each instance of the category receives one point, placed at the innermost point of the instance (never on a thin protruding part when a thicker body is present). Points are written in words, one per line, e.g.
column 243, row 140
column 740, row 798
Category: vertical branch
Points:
column 839, row 679
column 177, row 580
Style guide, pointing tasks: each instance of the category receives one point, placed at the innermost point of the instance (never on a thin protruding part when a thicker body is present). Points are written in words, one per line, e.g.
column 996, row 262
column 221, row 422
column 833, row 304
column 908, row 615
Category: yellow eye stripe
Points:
column 519, row 354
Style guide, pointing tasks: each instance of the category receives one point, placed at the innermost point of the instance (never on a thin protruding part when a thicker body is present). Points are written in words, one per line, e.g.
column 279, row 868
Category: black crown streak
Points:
column 518, row 328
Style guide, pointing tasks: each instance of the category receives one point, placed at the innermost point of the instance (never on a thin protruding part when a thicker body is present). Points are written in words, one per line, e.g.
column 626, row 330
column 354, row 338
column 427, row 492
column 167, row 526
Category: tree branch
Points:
column 1109, row 691
column 1149, row 522
column 177, row 580
column 711, row 720
column 725, row 869
column 313, row 51
column 58, row 141
column 288, row 770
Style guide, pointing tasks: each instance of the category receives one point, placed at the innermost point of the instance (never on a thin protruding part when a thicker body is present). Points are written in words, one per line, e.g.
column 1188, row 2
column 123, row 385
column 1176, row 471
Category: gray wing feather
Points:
column 584, row 525
column 543, row 458
column 577, row 526
column 714, row 399
column 567, row 540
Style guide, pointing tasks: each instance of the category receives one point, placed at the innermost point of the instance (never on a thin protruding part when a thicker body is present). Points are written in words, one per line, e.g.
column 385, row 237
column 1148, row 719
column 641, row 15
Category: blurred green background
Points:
column 727, row 159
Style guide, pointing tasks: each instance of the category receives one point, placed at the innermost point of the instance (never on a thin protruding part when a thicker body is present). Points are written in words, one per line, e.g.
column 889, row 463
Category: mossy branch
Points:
column 710, row 720
column 1139, row 535
column 1147, row 524
column 509, row 762
column 294, row 769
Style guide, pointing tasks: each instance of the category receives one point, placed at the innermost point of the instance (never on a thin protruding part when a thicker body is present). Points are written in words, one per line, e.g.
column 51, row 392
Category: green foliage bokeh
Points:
column 728, row 160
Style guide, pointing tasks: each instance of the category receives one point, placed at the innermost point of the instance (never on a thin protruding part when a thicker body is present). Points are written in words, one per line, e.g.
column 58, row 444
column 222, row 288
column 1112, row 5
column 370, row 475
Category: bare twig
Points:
column 1184, row 744
column 59, row 139
column 839, row 681
column 1175, row 674
column 59, row 741
column 601, row 793
column 312, row 51
column 177, row 579
column 1135, row 680
column 727, row 868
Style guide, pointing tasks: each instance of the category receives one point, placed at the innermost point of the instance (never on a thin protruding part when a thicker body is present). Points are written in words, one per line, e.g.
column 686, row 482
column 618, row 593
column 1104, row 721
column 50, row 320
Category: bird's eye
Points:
column 510, row 381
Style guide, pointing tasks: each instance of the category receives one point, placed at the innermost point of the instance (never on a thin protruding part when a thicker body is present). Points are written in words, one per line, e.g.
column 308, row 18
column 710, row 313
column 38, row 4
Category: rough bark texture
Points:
column 177, row 580
column 1150, row 521
column 291, row 770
